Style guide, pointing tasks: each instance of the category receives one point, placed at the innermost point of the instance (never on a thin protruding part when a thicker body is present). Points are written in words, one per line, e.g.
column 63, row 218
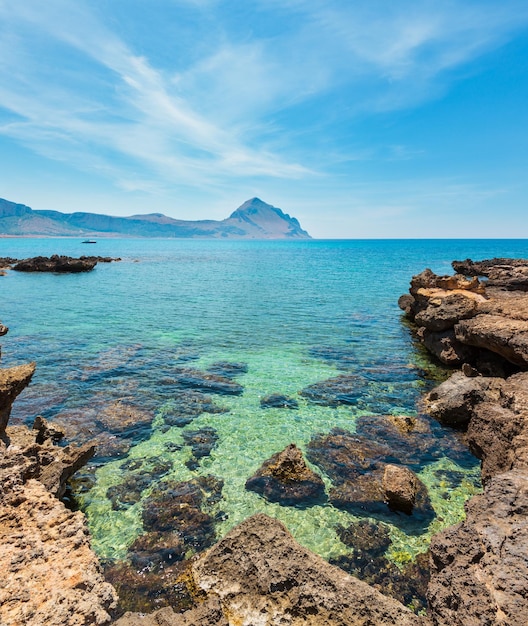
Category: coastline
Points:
column 447, row 576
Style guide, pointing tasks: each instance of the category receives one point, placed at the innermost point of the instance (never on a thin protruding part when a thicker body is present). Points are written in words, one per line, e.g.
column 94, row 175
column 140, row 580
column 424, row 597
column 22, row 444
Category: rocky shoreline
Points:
column 258, row 574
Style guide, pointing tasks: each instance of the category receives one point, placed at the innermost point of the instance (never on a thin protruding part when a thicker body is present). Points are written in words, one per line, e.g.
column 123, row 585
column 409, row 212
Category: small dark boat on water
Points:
column 89, row 241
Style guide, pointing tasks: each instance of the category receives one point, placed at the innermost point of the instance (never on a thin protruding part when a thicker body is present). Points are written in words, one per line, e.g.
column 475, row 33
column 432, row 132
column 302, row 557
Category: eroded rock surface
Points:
column 462, row 320
column 258, row 574
column 49, row 573
column 285, row 478
column 480, row 567
column 56, row 263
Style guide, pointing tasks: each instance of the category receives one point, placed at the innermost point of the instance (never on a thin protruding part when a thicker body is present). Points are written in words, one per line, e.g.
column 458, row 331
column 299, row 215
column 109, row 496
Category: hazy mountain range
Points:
column 253, row 220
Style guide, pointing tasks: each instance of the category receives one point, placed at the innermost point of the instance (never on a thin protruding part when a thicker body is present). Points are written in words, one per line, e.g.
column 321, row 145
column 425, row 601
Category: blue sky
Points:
column 362, row 118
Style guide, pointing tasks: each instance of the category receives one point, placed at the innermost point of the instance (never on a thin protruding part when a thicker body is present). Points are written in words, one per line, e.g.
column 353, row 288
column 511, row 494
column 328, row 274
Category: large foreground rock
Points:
column 259, row 575
column 50, row 576
column 480, row 567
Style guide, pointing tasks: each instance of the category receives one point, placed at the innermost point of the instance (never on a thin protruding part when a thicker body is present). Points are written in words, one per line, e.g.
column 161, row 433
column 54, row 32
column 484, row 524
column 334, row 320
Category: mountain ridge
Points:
column 254, row 219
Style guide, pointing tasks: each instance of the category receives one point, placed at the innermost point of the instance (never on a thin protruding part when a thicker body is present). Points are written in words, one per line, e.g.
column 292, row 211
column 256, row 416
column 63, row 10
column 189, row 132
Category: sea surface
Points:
column 274, row 317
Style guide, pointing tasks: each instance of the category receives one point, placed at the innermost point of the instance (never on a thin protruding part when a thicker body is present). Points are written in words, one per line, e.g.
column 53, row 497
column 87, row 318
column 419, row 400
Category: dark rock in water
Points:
column 408, row 586
column 365, row 537
column 285, row 478
column 356, row 466
column 127, row 492
column 55, row 263
column 369, row 541
column 186, row 378
column 400, row 486
column 228, row 370
column 148, row 588
column 177, row 507
column 479, row 568
column 131, row 489
column 155, row 548
column 201, row 441
column 343, row 389
column 278, row 401
column 188, row 405
column 3, row 330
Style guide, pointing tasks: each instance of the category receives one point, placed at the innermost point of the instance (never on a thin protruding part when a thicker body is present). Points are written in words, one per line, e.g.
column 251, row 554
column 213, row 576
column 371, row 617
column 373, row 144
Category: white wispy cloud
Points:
column 81, row 92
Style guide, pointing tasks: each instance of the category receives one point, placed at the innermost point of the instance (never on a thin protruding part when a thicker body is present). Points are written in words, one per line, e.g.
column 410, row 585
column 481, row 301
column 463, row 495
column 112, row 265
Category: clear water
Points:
column 279, row 307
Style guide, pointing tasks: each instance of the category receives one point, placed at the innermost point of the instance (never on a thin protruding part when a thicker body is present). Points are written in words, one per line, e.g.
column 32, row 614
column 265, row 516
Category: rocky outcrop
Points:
column 461, row 320
column 258, row 574
column 480, row 567
column 55, row 263
column 285, row 478
column 12, row 382
column 50, row 574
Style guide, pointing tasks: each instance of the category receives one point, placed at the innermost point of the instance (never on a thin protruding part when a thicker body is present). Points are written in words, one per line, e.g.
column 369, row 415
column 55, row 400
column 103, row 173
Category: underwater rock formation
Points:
column 356, row 464
column 187, row 378
column 285, row 478
column 278, row 401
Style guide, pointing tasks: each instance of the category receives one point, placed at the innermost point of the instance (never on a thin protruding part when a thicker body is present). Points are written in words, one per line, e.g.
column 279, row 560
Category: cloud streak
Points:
column 80, row 92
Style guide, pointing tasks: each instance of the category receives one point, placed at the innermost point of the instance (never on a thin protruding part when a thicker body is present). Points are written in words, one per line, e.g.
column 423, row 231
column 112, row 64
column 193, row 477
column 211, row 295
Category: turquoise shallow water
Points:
column 295, row 313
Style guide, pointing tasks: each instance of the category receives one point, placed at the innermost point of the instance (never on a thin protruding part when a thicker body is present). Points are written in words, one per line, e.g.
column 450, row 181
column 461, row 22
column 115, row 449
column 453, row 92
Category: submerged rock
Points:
column 227, row 369
column 369, row 541
column 186, row 378
column 201, row 442
column 356, row 464
column 285, row 478
column 188, row 405
column 278, row 401
column 177, row 507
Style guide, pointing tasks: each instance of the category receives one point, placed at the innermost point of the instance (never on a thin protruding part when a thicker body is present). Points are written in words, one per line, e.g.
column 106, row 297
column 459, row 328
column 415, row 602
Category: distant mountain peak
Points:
column 267, row 220
column 255, row 219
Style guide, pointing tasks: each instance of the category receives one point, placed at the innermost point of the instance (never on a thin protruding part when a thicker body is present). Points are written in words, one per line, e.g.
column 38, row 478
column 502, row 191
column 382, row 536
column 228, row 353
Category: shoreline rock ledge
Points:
column 479, row 567
column 50, row 576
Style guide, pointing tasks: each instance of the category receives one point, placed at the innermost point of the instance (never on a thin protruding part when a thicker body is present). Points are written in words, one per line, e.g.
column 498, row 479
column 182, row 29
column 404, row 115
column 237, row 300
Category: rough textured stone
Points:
column 12, row 382
column 480, row 567
column 400, row 486
column 454, row 400
column 445, row 347
column 285, row 478
column 262, row 576
column 507, row 337
column 446, row 309
column 50, row 575
column 56, row 263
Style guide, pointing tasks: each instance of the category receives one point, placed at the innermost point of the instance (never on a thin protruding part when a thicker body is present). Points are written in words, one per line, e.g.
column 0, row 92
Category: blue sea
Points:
column 283, row 316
